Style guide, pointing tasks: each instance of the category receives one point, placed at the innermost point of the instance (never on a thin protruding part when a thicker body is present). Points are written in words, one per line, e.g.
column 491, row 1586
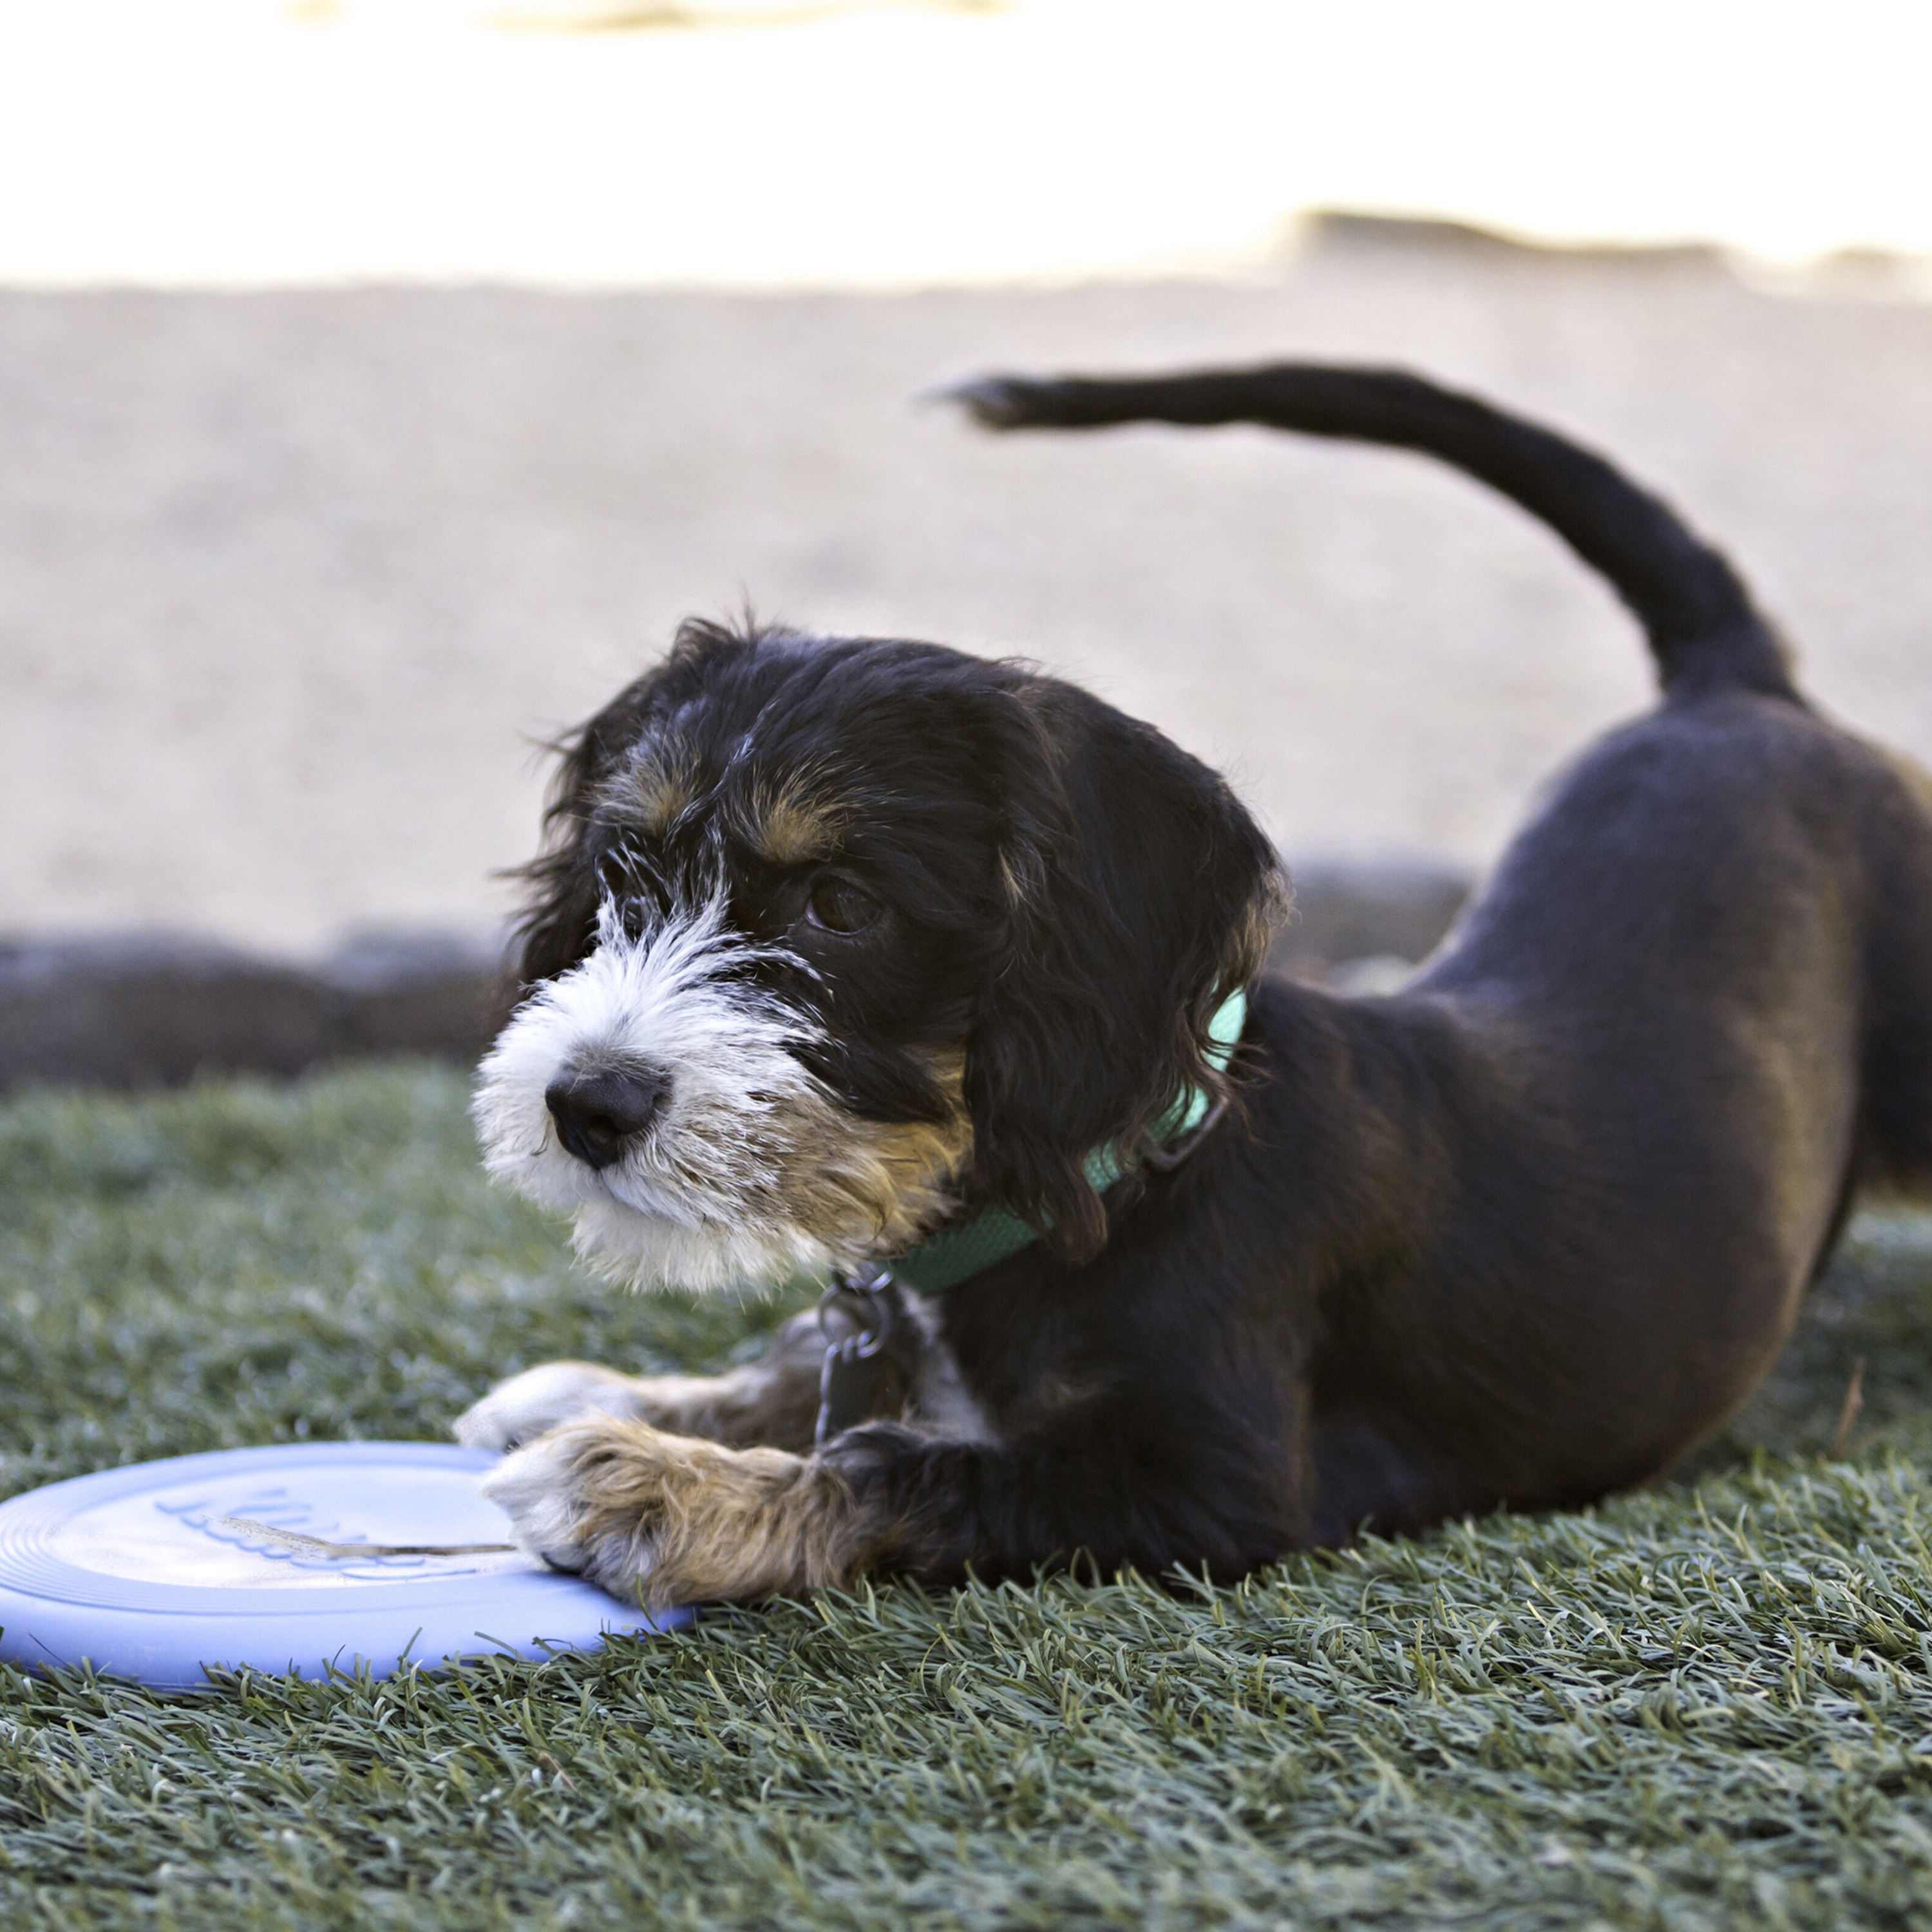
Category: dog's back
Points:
column 1729, row 828
column 1689, row 1016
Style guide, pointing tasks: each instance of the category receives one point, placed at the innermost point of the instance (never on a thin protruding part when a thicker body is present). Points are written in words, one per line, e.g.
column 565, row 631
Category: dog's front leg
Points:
column 665, row 1519
column 773, row 1401
column 673, row 1520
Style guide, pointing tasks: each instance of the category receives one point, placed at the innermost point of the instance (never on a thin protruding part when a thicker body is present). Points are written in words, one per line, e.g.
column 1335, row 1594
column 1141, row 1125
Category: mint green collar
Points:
column 957, row 1253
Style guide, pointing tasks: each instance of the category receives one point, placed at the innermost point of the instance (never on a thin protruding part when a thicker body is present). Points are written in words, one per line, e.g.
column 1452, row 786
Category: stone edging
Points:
column 153, row 1009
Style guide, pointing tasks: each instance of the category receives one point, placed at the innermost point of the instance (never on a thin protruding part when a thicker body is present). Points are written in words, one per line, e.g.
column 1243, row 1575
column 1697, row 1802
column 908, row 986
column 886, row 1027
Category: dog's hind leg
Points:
column 1365, row 1481
column 771, row 1402
column 1897, row 1096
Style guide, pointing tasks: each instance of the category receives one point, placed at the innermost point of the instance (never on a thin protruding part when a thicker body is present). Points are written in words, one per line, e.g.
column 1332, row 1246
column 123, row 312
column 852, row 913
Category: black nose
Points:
column 596, row 1113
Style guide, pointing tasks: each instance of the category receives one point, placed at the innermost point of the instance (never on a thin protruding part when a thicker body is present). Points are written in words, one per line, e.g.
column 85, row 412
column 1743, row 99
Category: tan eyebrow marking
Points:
column 654, row 785
column 786, row 825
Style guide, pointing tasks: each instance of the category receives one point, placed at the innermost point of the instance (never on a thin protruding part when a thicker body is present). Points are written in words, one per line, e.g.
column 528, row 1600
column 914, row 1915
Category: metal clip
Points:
column 868, row 1340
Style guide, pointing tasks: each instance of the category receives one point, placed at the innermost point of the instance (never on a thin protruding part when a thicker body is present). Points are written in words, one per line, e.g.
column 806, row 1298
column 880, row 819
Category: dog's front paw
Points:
column 532, row 1404
column 549, row 1491
column 668, row 1520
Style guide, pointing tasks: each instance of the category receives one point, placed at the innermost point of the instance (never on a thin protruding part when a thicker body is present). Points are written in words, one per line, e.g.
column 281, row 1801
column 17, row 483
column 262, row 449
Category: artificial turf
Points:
column 1707, row 1704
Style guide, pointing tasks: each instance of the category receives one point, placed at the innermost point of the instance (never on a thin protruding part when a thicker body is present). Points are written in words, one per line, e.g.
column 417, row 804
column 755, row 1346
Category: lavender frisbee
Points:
column 240, row 1557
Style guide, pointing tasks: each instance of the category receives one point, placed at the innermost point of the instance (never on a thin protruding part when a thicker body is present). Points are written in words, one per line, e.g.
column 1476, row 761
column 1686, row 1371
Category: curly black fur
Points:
column 1069, row 896
column 1525, row 1232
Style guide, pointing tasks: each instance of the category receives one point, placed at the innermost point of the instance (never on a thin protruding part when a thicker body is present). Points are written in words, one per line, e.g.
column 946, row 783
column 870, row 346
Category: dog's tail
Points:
column 1703, row 627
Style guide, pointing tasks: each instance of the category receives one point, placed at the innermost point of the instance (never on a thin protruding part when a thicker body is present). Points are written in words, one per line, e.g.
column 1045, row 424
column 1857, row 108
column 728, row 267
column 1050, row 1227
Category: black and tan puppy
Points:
column 839, row 944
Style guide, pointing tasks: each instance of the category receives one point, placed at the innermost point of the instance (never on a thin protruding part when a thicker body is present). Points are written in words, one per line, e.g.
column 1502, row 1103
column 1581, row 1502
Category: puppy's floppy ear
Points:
column 558, row 926
column 559, row 923
column 1139, row 894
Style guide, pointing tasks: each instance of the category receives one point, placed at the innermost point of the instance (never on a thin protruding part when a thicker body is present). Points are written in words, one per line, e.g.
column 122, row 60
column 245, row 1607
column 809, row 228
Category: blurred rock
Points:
column 1355, row 927
column 440, row 994
column 154, row 1010
column 1338, row 234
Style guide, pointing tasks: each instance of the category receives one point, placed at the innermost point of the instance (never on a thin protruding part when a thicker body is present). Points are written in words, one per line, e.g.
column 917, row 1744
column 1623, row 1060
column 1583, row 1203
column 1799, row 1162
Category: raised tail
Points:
column 1704, row 630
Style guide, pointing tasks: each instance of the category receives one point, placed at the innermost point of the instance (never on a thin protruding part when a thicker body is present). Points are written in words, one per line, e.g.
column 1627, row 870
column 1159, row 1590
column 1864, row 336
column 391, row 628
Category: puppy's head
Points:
column 834, row 937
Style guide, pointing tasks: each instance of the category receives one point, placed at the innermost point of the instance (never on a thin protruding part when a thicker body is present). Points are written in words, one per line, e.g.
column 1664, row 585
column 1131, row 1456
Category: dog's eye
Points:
column 837, row 905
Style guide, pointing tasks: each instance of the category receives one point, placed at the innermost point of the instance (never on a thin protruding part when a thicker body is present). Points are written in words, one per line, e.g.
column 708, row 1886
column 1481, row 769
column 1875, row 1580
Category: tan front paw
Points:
column 670, row 1520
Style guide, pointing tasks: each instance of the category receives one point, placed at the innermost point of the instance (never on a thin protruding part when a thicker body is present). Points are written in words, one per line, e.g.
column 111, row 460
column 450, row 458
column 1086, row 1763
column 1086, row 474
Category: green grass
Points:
column 1709, row 1704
